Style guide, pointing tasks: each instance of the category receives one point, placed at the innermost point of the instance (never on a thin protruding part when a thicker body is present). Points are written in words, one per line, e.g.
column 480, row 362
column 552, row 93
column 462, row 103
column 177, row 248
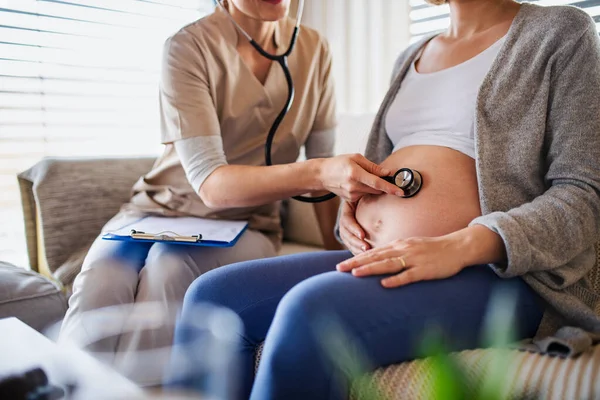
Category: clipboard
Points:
column 190, row 231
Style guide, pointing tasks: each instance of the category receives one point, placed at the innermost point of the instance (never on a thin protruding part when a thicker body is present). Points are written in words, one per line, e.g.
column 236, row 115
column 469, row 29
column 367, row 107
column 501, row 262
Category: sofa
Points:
column 67, row 200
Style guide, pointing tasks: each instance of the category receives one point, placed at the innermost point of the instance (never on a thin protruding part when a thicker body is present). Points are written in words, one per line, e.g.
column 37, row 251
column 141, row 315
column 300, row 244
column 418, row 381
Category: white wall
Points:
column 365, row 36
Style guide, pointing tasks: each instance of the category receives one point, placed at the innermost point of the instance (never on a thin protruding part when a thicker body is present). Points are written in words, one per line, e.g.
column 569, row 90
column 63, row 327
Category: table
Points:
column 22, row 349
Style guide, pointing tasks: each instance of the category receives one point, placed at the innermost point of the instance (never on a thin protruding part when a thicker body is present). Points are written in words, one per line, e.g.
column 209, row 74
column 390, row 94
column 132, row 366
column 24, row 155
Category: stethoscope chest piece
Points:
column 409, row 180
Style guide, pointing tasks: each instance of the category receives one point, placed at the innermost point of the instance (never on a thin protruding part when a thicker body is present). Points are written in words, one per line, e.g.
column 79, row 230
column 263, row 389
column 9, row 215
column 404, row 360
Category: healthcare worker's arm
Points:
column 234, row 186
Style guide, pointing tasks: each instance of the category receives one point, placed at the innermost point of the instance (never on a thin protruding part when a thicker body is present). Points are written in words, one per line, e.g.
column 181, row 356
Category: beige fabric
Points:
column 301, row 224
column 528, row 375
column 73, row 199
column 207, row 90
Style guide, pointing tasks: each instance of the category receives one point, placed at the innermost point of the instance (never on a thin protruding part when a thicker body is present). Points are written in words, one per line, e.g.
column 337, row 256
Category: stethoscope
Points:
column 409, row 180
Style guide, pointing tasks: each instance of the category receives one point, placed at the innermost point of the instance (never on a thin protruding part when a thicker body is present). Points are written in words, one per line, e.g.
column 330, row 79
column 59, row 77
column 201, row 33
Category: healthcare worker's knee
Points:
column 168, row 272
column 103, row 282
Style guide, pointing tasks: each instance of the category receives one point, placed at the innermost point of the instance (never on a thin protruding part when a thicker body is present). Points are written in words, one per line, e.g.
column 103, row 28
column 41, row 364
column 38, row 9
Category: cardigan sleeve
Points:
column 555, row 228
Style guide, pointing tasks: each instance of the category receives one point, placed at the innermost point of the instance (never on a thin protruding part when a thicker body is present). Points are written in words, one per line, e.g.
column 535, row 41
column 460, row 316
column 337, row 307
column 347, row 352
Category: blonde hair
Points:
column 436, row 2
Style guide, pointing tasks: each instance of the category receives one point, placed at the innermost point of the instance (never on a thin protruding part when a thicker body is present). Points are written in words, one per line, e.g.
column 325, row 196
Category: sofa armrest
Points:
column 300, row 224
column 66, row 201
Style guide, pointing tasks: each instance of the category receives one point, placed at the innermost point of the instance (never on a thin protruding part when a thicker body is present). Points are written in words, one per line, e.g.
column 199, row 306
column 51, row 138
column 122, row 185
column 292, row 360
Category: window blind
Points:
column 426, row 19
column 78, row 78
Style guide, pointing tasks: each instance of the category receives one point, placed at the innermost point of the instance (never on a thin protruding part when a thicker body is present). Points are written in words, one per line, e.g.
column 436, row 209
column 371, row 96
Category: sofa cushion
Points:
column 530, row 375
column 66, row 201
column 525, row 375
column 294, row 248
column 30, row 297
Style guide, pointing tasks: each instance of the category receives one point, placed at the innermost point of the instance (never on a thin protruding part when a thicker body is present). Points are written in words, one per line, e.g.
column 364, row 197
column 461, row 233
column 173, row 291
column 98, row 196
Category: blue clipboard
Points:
column 187, row 231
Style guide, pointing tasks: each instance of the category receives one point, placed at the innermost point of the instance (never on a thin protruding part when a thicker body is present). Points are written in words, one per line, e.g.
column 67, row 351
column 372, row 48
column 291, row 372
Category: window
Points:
column 78, row 78
column 426, row 19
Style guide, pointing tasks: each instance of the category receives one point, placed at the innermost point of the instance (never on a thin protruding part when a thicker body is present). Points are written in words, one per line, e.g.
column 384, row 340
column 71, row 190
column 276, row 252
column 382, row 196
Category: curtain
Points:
column 365, row 37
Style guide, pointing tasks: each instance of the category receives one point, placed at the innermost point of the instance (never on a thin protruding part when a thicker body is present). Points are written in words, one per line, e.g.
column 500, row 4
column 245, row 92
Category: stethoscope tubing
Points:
column 282, row 60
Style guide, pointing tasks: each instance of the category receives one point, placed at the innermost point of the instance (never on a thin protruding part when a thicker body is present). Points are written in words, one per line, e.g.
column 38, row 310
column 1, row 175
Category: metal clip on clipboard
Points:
column 166, row 236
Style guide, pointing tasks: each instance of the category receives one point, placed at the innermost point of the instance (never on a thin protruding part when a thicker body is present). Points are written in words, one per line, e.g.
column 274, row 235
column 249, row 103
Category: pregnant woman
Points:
column 500, row 116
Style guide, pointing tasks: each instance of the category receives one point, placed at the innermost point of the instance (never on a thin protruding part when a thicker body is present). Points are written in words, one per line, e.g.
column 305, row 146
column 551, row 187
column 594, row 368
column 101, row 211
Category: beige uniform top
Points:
column 207, row 90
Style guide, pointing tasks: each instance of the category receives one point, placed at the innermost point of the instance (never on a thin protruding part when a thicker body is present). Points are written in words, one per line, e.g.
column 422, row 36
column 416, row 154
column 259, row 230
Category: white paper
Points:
column 210, row 229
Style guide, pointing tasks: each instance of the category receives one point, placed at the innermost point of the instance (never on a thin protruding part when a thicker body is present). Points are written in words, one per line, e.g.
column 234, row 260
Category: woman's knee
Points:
column 310, row 301
column 296, row 339
column 222, row 286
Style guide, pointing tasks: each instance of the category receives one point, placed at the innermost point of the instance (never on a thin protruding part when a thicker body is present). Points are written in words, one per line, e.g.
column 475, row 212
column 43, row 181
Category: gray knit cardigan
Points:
column 537, row 140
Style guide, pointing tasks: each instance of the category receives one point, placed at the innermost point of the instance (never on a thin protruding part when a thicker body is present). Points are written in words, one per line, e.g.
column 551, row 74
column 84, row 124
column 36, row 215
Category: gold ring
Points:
column 401, row 259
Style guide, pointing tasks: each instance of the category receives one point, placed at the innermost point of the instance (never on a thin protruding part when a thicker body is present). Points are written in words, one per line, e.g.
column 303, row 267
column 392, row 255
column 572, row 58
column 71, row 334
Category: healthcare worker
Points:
column 218, row 99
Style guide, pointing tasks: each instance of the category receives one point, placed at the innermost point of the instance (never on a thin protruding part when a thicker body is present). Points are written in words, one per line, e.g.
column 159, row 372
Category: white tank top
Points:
column 438, row 109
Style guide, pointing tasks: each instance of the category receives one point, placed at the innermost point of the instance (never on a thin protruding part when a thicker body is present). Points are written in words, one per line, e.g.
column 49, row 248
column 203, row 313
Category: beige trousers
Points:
column 122, row 274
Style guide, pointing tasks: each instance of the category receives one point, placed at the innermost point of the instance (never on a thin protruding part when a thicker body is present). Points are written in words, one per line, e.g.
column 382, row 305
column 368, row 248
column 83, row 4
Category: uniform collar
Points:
column 232, row 35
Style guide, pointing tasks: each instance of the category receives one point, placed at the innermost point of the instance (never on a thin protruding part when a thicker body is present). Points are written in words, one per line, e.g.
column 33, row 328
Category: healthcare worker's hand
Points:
column 351, row 233
column 353, row 176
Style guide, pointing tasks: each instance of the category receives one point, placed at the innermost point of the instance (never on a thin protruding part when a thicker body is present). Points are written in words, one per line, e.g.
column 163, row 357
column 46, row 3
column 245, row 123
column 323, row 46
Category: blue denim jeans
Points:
column 288, row 302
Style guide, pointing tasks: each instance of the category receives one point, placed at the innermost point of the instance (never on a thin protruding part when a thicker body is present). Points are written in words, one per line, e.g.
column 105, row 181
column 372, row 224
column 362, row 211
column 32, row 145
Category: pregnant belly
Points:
column 447, row 202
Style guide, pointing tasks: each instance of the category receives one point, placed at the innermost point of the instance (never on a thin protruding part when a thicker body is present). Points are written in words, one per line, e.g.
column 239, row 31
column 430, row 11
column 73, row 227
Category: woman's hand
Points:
column 351, row 232
column 410, row 260
column 423, row 259
column 353, row 176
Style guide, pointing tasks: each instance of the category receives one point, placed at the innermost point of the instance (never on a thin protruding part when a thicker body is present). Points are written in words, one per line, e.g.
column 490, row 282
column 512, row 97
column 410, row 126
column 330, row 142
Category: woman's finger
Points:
column 406, row 277
column 368, row 257
column 386, row 266
column 349, row 222
column 350, row 240
column 353, row 240
column 357, row 261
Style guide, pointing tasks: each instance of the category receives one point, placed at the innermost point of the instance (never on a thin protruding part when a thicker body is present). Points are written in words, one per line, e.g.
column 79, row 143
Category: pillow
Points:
column 35, row 300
